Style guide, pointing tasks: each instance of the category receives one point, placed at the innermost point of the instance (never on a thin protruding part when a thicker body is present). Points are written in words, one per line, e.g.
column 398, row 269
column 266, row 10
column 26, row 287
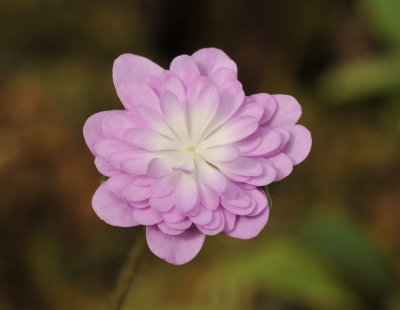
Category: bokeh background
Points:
column 333, row 238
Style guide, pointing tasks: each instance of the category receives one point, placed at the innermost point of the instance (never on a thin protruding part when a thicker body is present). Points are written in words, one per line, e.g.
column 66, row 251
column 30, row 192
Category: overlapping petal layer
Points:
column 187, row 155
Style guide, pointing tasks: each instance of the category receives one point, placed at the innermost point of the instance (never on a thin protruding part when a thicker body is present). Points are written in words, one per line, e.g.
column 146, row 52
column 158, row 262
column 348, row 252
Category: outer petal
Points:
column 269, row 104
column 299, row 145
column 137, row 93
column 287, row 113
column 209, row 60
column 111, row 209
column 128, row 67
column 185, row 68
column 92, row 131
column 178, row 249
column 247, row 227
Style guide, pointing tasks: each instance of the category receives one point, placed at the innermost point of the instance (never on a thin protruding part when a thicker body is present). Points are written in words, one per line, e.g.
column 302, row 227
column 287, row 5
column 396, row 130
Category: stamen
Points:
column 191, row 149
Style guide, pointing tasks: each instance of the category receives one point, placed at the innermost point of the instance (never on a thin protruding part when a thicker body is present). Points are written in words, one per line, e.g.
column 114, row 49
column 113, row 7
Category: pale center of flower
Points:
column 191, row 149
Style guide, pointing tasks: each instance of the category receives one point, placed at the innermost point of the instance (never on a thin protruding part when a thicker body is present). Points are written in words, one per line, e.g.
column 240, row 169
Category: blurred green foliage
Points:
column 333, row 237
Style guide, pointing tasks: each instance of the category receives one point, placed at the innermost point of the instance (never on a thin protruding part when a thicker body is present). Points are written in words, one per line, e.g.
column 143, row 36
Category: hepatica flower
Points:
column 188, row 153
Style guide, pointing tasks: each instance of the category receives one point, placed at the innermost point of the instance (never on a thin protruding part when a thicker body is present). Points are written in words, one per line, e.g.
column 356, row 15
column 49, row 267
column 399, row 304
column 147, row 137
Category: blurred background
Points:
column 333, row 237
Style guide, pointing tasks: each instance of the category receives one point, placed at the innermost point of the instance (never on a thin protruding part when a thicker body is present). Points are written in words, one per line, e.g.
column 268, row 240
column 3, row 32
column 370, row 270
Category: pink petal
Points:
column 153, row 120
column 116, row 124
column 251, row 109
column 104, row 167
column 282, row 164
column 134, row 193
column 208, row 197
column 169, row 230
column 147, row 216
column 209, row 60
column 250, row 143
column 210, row 176
column 261, row 200
column 184, row 224
column 175, row 86
column 148, row 140
column 118, row 182
column 230, row 220
column 203, row 110
column 287, row 113
column 164, row 186
column 247, row 227
column 299, row 144
column 178, row 249
column 185, row 68
column 162, row 204
column 175, row 114
column 185, row 164
column 92, row 130
column 203, row 217
column 107, row 147
column 270, row 141
column 194, row 89
column 128, row 67
column 266, row 177
column 233, row 131
column 137, row 93
column 136, row 165
column 221, row 154
column 111, row 209
column 223, row 75
column 245, row 166
column 268, row 103
column 173, row 216
column 160, row 167
column 230, row 101
column 186, row 193
column 216, row 225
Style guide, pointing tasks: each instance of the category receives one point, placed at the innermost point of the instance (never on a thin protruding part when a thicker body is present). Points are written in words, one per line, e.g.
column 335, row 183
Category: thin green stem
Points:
column 128, row 274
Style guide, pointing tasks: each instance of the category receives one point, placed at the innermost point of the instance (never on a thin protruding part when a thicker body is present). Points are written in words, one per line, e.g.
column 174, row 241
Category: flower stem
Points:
column 128, row 273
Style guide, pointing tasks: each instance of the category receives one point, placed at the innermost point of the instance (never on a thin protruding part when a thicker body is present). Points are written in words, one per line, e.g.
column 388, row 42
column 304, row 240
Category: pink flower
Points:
column 186, row 155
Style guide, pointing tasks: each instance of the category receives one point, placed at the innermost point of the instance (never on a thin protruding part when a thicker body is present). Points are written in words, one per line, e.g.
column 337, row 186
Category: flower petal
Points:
column 147, row 216
column 185, row 68
column 162, row 204
column 160, row 167
column 209, row 60
column 178, row 249
column 134, row 193
column 116, row 124
column 203, row 110
column 233, row 131
column 174, row 85
column 137, row 93
column 287, row 113
column 186, row 193
column 271, row 140
column 247, row 227
column 299, row 144
column 148, row 140
column 154, row 120
column 92, row 131
column 128, row 67
column 111, row 209
column 210, row 176
column 136, row 165
column 175, row 114
column 220, row 154
column 245, row 166
column 282, row 164
column 267, row 102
